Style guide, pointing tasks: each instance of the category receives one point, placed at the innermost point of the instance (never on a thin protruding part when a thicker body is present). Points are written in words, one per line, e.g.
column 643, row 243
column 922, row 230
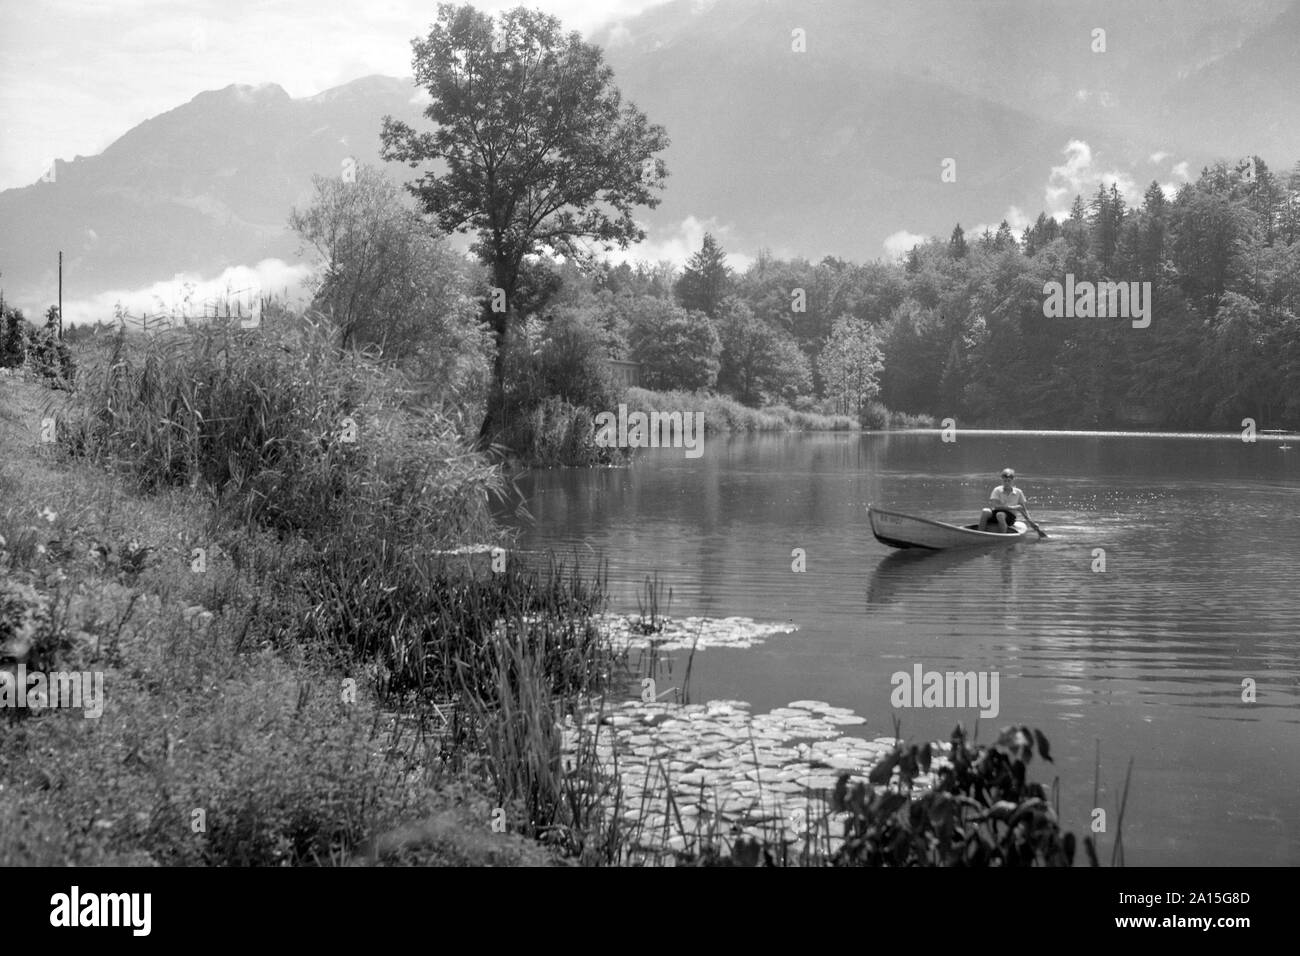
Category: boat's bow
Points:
column 898, row 530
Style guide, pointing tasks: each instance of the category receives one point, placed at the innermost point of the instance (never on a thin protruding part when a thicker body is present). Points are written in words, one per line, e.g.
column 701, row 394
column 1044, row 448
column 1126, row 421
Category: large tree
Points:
column 676, row 348
column 850, row 365
column 758, row 363
column 535, row 146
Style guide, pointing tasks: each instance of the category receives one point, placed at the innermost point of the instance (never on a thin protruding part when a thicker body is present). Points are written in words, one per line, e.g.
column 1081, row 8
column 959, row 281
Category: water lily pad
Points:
column 845, row 720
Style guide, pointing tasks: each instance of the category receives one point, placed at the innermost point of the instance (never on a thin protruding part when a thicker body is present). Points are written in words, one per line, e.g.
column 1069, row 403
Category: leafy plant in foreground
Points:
column 982, row 810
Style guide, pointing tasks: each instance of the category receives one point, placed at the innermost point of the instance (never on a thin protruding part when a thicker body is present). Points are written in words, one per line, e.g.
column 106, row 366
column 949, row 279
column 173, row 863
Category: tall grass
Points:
column 282, row 431
column 722, row 414
column 877, row 417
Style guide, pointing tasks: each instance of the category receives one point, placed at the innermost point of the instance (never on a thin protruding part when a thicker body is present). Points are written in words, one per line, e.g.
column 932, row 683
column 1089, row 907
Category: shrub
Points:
column 982, row 810
column 560, row 379
column 262, row 419
column 908, row 420
column 15, row 334
column 40, row 349
column 875, row 416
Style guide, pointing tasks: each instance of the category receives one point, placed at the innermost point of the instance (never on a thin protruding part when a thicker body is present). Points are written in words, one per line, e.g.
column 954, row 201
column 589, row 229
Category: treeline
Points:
column 958, row 329
column 969, row 338
column 955, row 330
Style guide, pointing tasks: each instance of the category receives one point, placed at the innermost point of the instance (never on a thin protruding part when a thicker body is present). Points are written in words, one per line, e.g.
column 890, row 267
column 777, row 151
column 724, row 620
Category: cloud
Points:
column 900, row 243
column 679, row 243
column 1125, row 183
column 1079, row 176
column 1183, row 175
column 1160, row 156
column 1015, row 218
column 189, row 293
column 1066, row 181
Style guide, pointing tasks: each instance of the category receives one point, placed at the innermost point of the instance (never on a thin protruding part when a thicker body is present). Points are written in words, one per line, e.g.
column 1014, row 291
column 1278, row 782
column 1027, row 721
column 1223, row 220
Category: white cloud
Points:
column 1078, row 176
column 1160, row 156
column 1014, row 216
column 680, row 243
column 1128, row 188
column 188, row 293
column 900, row 243
column 1183, row 175
column 1067, row 180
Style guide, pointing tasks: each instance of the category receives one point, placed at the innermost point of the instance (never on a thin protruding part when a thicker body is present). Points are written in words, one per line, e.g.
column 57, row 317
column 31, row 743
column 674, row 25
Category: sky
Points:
column 77, row 74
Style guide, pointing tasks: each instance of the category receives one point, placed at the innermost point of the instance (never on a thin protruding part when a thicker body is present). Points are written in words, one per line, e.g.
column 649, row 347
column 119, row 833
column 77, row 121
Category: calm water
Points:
column 1201, row 590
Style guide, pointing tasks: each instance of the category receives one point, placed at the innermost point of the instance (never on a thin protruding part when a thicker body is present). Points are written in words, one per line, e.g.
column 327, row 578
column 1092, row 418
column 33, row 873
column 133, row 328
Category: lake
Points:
column 1200, row 593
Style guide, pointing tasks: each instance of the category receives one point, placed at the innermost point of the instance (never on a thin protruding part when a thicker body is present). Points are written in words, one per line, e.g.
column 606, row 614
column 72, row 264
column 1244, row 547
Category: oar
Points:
column 1030, row 521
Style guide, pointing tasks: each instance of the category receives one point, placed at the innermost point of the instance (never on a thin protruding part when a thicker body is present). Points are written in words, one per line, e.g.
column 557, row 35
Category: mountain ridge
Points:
column 832, row 151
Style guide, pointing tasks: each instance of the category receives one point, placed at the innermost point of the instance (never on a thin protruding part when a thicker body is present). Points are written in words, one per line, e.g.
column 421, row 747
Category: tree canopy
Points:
column 535, row 149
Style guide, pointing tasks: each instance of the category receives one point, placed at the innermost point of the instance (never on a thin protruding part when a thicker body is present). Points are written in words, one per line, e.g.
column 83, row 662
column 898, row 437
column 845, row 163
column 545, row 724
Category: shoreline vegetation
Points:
column 238, row 529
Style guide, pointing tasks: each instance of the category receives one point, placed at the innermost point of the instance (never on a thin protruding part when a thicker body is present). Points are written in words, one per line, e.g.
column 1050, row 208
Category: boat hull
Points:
column 898, row 530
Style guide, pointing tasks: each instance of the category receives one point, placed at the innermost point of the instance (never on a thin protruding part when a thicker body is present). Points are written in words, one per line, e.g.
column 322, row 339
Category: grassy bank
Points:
column 291, row 675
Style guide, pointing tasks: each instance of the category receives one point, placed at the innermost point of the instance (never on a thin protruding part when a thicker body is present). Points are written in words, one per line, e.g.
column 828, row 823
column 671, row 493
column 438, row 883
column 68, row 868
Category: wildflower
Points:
column 48, row 514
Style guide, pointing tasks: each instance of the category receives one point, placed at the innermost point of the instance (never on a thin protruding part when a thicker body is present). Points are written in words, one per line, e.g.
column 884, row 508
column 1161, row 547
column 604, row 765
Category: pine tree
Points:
column 1151, row 244
column 1076, row 233
column 706, row 281
column 1004, row 240
column 957, row 244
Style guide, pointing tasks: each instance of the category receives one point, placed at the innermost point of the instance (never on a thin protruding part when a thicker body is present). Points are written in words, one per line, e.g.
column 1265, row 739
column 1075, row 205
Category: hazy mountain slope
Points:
column 201, row 187
column 824, row 152
column 1250, row 94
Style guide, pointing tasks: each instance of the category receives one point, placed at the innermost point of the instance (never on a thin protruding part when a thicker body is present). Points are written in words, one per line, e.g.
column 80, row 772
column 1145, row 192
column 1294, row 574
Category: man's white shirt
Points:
column 1008, row 499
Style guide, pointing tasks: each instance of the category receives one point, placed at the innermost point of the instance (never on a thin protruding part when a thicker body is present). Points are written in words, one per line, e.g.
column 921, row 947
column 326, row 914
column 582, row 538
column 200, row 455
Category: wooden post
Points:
column 60, row 295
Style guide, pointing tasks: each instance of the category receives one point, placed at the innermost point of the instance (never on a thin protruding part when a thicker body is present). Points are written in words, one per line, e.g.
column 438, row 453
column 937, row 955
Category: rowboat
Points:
column 908, row 531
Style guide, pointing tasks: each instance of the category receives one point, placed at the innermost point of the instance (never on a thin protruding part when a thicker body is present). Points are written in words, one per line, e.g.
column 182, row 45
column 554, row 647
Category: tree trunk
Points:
column 499, row 322
column 494, row 420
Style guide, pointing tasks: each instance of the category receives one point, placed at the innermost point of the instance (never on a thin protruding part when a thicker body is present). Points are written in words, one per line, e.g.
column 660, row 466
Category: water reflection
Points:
column 1198, row 594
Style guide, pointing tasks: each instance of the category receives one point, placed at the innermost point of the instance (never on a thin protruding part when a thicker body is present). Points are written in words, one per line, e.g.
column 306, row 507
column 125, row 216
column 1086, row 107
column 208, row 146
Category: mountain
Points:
column 829, row 151
column 199, row 188
column 823, row 152
column 1253, row 87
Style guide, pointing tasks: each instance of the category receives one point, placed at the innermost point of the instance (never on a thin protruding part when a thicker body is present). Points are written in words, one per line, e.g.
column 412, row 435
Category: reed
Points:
column 723, row 414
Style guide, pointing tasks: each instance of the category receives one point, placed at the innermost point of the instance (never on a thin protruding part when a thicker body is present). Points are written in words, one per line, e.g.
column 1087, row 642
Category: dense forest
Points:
column 958, row 329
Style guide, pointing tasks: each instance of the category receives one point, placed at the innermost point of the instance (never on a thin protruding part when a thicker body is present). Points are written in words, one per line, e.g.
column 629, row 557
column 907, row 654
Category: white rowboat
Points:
column 908, row 531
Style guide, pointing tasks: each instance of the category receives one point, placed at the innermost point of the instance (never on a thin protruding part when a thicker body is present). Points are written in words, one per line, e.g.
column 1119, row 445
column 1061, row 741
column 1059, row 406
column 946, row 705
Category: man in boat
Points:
column 1005, row 500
